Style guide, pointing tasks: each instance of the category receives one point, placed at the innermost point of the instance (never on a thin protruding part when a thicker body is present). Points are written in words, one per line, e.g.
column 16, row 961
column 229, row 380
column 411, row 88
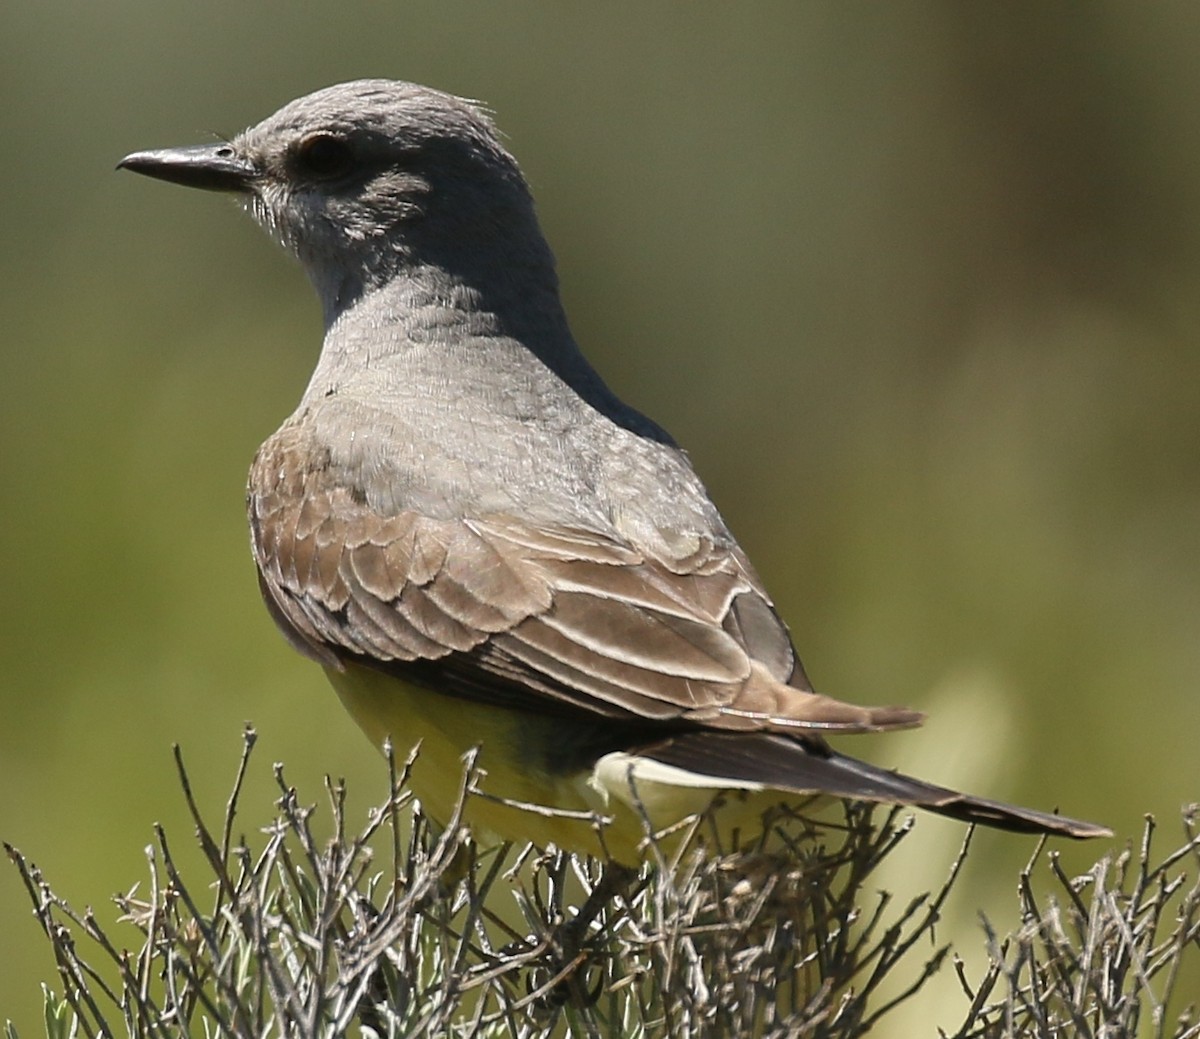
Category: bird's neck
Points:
column 503, row 341
column 425, row 311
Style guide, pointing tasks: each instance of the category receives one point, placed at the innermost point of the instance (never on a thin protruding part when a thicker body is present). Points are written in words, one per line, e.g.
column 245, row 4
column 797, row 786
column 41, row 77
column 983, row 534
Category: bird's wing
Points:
column 535, row 618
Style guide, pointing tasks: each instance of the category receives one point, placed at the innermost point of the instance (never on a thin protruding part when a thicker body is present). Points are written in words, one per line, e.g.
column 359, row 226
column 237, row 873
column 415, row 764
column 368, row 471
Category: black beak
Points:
column 213, row 167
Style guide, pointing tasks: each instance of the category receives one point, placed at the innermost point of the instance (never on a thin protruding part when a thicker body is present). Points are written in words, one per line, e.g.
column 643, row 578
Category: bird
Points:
column 486, row 549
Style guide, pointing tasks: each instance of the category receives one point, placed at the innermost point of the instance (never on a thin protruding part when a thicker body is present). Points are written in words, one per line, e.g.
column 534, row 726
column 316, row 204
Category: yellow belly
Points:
column 447, row 729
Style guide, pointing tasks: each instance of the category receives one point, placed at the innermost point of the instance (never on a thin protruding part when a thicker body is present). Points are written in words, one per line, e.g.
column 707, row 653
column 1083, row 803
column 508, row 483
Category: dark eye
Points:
column 324, row 155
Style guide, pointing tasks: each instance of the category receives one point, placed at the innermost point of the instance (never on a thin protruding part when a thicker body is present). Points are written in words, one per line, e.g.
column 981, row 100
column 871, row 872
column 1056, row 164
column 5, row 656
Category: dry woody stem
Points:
column 401, row 928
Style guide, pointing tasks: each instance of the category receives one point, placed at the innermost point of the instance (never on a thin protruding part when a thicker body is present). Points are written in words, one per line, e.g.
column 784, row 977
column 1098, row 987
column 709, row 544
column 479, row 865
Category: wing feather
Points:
column 493, row 608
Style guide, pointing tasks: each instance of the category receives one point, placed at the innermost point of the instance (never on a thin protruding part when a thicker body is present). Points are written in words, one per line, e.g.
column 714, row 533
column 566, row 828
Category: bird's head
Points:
column 364, row 179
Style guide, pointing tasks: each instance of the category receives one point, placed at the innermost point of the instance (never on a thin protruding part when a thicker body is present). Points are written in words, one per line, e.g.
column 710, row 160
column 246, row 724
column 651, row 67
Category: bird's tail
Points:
column 773, row 762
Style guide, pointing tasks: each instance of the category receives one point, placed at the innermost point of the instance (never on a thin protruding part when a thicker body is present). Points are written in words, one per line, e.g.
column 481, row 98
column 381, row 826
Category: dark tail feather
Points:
column 789, row 765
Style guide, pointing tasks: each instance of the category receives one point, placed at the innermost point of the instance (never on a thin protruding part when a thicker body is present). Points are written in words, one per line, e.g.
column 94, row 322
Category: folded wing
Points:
column 535, row 618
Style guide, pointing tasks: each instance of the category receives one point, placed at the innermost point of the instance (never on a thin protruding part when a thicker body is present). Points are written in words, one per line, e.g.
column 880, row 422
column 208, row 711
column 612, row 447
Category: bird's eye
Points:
column 324, row 155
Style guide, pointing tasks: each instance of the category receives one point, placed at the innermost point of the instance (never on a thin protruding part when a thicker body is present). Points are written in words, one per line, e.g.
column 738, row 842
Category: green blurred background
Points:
column 915, row 283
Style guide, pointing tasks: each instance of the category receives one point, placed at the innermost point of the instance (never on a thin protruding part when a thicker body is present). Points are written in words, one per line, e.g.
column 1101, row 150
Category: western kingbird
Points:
column 476, row 539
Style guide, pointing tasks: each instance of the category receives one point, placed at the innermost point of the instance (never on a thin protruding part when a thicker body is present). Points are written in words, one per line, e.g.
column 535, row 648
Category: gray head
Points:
column 364, row 180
